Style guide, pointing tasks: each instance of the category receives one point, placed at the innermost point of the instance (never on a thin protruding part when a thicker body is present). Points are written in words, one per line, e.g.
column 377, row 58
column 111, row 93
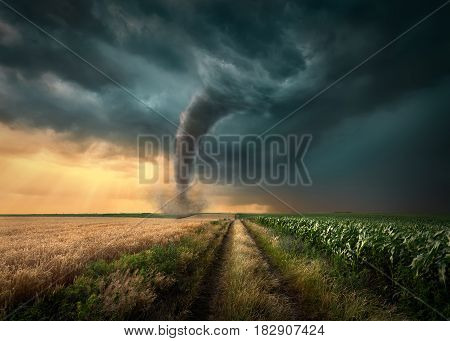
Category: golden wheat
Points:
column 39, row 253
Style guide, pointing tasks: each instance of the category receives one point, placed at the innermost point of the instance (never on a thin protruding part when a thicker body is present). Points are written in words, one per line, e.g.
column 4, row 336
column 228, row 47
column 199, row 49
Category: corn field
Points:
column 414, row 252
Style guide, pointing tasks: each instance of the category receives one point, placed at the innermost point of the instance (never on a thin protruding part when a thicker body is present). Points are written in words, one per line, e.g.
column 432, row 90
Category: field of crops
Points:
column 40, row 253
column 413, row 253
column 334, row 267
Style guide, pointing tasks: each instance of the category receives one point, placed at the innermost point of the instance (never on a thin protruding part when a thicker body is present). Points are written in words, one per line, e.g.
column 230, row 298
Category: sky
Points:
column 69, row 120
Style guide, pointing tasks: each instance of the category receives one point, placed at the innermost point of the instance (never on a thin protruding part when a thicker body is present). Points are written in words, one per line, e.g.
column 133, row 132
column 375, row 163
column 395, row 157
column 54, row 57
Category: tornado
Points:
column 204, row 110
column 226, row 90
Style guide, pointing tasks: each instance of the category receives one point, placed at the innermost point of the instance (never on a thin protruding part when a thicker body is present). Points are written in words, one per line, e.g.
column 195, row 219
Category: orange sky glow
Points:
column 45, row 172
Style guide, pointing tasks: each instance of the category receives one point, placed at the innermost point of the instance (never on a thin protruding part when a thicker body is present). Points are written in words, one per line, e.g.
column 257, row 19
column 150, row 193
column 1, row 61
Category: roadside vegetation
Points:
column 383, row 254
column 159, row 283
column 322, row 295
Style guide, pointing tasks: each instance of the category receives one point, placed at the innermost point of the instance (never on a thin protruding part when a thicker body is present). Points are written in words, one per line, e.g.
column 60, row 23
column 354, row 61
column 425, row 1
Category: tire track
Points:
column 284, row 287
column 247, row 288
column 201, row 307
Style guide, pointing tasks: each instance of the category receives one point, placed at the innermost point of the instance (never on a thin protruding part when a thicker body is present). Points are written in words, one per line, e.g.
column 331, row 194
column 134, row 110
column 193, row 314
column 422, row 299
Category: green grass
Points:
column 157, row 284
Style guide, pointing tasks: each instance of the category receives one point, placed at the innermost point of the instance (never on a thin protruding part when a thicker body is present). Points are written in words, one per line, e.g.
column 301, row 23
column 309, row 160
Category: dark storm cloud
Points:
column 259, row 60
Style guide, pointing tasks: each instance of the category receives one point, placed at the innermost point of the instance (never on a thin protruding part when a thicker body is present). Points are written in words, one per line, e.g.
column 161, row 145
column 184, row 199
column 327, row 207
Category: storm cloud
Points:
column 380, row 139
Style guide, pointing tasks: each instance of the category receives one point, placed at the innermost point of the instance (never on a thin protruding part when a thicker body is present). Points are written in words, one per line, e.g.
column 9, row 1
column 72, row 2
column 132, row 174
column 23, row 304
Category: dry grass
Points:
column 247, row 289
column 125, row 292
column 39, row 253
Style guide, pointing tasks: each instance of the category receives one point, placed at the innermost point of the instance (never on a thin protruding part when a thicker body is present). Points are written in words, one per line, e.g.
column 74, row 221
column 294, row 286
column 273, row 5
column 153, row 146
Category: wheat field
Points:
column 39, row 253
